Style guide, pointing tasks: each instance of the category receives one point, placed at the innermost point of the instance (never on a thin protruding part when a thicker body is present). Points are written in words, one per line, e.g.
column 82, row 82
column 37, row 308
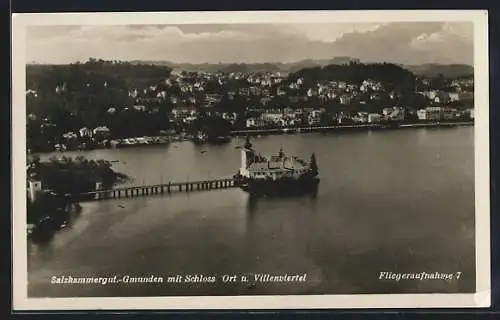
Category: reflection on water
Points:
column 309, row 193
column 43, row 232
column 399, row 201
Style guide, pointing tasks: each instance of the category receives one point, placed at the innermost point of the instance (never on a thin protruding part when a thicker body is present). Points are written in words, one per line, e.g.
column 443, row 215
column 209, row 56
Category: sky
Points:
column 397, row 42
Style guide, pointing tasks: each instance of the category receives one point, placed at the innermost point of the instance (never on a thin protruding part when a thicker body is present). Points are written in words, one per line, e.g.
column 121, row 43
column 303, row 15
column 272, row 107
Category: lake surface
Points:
column 388, row 201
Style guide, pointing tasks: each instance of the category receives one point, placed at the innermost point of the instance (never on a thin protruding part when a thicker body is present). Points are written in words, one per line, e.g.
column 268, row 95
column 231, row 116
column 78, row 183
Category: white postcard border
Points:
column 482, row 177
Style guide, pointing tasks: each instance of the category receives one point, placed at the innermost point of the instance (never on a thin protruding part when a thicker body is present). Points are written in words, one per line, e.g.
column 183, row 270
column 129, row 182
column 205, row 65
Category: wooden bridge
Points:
column 154, row 189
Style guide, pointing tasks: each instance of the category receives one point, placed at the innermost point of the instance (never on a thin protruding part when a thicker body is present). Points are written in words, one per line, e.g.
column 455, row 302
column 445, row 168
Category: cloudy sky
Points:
column 401, row 42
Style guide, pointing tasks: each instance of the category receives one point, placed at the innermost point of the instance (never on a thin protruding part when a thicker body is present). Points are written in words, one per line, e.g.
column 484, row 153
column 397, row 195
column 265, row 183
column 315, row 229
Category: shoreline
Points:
column 311, row 129
column 377, row 126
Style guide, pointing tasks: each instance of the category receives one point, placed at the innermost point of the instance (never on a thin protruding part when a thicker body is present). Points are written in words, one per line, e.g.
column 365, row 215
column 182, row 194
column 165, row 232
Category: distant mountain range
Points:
column 447, row 70
column 428, row 70
column 249, row 67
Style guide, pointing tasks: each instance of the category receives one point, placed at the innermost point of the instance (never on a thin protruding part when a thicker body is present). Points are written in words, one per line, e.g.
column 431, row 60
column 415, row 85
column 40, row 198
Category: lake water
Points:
column 388, row 201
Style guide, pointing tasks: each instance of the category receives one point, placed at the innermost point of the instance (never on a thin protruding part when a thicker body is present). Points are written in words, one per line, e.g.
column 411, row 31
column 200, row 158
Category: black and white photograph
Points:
column 256, row 160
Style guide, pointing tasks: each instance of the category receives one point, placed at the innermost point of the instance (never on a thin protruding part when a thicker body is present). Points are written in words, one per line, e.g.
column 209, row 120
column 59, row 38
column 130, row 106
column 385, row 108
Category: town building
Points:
column 454, row 96
column 85, row 132
column 361, row 117
column 394, row 114
column 471, row 113
column 429, row 114
column 101, row 132
column 374, row 118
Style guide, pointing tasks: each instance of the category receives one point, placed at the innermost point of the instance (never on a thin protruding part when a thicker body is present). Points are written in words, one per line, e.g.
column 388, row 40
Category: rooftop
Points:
column 276, row 163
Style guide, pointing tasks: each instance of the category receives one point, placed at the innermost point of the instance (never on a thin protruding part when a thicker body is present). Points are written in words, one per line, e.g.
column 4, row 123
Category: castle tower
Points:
column 248, row 144
column 246, row 157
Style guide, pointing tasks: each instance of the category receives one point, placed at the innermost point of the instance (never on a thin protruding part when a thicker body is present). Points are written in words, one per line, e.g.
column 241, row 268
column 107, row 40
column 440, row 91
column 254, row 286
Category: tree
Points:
column 313, row 165
column 34, row 161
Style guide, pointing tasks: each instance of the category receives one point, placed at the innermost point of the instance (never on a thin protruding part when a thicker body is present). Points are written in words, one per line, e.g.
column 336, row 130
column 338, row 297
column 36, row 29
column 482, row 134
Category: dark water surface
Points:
column 394, row 201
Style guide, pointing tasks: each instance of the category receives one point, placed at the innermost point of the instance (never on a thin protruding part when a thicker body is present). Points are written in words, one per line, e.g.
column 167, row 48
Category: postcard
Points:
column 250, row 160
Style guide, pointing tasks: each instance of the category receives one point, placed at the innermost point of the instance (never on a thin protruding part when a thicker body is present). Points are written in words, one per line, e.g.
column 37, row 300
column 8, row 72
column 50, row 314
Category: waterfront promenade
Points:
column 148, row 141
column 369, row 126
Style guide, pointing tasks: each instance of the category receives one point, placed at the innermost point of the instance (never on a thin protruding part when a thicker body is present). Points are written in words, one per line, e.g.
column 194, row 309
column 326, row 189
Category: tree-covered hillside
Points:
column 80, row 94
column 392, row 76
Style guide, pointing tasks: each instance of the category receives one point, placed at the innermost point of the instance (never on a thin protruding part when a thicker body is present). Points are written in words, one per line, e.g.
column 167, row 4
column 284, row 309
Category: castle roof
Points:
column 278, row 164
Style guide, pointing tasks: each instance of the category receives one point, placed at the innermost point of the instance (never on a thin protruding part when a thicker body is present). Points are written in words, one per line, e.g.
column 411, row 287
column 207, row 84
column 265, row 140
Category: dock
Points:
column 157, row 189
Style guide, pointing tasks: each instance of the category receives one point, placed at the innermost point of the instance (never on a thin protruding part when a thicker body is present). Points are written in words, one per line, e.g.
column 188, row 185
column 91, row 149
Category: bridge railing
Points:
column 151, row 189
